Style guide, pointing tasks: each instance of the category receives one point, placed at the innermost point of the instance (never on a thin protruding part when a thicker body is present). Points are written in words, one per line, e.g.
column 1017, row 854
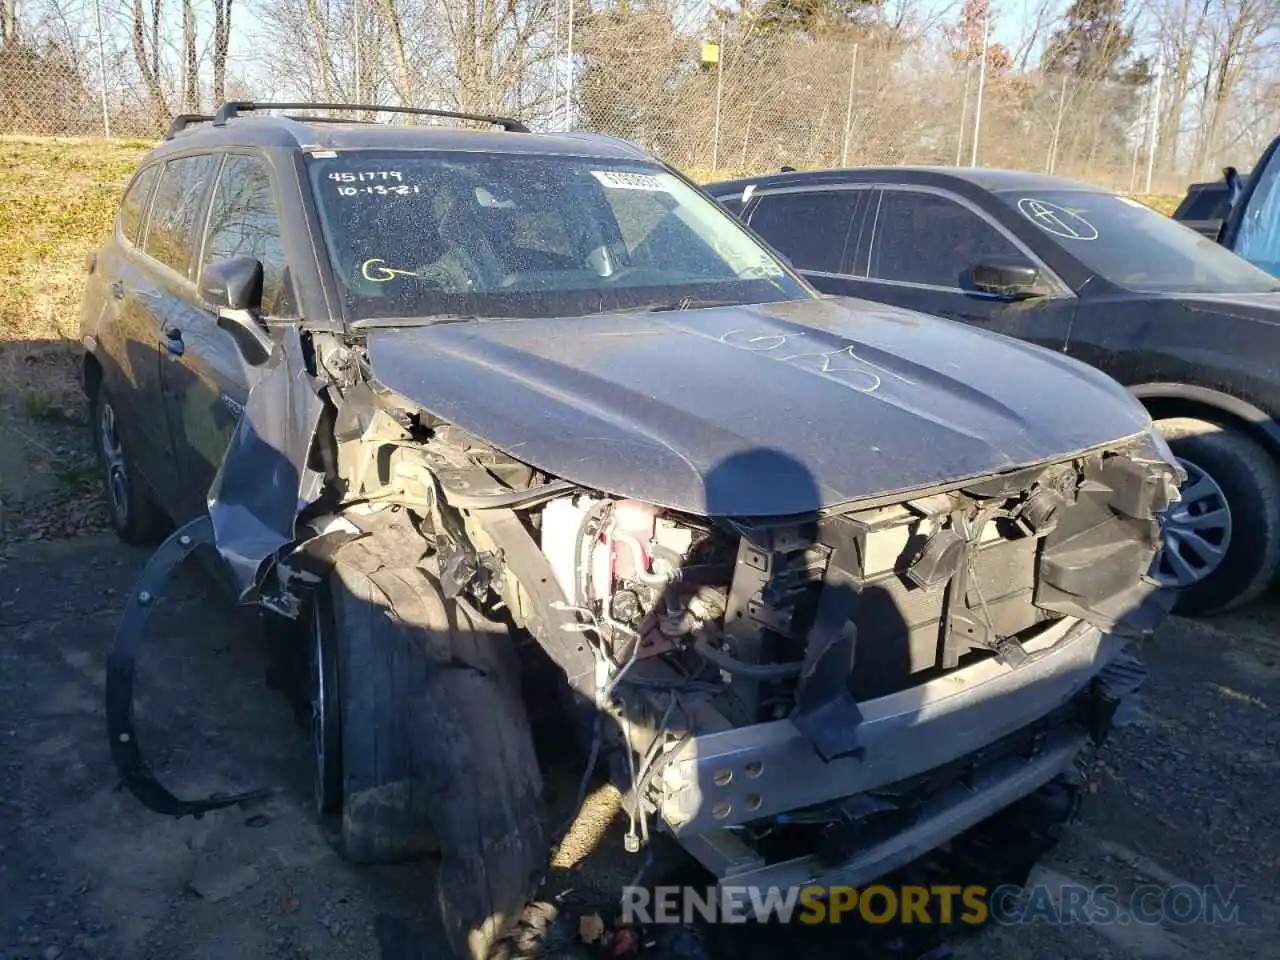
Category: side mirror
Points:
column 1004, row 278
column 234, row 284
column 234, row 289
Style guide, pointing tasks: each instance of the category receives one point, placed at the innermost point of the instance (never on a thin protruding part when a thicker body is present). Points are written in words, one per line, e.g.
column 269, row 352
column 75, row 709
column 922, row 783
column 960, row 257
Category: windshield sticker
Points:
column 625, row 180
column 1057, row 220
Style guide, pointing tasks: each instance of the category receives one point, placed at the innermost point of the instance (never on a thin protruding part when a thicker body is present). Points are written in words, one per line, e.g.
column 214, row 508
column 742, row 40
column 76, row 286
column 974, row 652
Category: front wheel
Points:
column 1221, row 543
column 436, row 749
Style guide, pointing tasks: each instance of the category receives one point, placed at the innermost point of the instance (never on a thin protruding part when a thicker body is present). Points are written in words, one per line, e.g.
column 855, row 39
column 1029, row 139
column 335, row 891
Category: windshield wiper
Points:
column 427, row 320
column 665, row 306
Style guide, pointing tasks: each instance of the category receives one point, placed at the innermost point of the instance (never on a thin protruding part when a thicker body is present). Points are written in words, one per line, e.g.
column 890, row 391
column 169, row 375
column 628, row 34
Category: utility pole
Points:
column 568, row 83
column 1155, row 131
column 848, row 110
column 355, row 15
column 1051, row 162
column 982, row 83
column 102, row 69
column 715, row 136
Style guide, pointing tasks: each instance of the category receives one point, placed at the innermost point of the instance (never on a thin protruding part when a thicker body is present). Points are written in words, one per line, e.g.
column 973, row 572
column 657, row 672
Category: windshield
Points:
column 459, row 234
column 1133, row 246
column 1258, row 238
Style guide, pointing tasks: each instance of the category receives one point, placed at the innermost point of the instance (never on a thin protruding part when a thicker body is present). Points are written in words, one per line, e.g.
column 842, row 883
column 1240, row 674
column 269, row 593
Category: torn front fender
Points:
column 257, row 493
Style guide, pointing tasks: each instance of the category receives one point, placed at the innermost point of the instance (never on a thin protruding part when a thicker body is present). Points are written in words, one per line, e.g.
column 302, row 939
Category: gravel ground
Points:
column 1186, row 793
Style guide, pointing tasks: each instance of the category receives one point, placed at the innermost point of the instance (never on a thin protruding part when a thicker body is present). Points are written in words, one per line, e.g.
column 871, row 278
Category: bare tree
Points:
column 1180, row 37
column 146, row 52
column 190, row 63
column 1236, row 32
column 494, row 44
column 9, row 21
column 403, row 78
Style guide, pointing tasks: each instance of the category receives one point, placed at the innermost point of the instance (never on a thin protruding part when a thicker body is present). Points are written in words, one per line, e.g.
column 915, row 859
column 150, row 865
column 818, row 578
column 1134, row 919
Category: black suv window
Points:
column 243, row 222
column 810, row 228
column 926, row 238
column 176, row 208
column 133, row 208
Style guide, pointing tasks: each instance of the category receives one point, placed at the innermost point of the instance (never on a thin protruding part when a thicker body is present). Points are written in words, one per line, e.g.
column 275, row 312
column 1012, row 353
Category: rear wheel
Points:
column 134, row 513
column 1222, row 540
column 436, row 749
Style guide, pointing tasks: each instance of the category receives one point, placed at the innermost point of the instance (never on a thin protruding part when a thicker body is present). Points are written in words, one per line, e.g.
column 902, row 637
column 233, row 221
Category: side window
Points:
column 133, row 208
column 243, row 222
column 926, row 238
column 176, row 210
column 810, row 228
column 1258, row 238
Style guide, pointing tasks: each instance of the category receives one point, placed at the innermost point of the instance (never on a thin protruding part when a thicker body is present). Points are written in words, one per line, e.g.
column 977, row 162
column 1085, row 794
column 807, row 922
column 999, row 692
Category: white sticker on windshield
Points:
column 625, row 180
column 1057, row 220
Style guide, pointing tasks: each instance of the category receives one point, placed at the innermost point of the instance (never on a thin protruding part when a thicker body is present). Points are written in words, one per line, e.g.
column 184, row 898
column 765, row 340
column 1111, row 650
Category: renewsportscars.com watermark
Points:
column 1181, row 904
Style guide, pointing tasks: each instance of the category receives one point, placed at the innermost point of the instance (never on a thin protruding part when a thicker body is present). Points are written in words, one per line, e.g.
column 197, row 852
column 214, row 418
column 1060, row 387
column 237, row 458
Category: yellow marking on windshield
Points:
column 384, row 273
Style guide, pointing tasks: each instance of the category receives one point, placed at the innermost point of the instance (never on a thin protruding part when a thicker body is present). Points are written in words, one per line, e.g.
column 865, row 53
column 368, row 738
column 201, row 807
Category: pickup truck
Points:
column 1241, row 211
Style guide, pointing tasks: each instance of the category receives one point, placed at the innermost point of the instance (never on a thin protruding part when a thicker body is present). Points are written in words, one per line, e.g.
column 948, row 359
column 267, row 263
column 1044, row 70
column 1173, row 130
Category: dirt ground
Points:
column 1187, row 792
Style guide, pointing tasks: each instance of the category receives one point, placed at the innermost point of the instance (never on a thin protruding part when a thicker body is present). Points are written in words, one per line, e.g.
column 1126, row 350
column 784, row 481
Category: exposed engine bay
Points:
column 701, row 626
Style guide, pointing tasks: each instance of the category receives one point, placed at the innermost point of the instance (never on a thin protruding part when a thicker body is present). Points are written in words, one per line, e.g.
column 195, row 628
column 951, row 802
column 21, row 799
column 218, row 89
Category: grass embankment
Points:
column 57, row 201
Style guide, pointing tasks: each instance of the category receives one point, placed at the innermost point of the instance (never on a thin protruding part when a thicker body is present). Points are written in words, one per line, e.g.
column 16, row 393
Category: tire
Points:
column 1232, row 556
column 134, row 513
column 437, row 751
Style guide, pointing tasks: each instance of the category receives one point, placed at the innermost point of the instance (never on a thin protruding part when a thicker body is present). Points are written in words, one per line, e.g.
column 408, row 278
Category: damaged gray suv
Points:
column 823, row 582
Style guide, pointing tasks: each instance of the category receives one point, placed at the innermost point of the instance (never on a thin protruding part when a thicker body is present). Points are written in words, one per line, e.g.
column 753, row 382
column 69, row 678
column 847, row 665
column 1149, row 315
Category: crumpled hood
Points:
column 762, row 410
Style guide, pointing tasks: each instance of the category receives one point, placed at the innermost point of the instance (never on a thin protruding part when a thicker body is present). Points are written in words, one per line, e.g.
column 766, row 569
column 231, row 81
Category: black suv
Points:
column 454, row 406
column 1189, row 328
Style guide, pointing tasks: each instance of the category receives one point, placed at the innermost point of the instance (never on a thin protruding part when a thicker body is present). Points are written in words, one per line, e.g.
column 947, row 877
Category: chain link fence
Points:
column 715, row 105
column 759, row 106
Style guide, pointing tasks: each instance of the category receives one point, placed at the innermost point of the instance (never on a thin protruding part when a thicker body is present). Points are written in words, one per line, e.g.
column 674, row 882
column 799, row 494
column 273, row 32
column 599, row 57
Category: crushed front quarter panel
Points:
column 256, row 496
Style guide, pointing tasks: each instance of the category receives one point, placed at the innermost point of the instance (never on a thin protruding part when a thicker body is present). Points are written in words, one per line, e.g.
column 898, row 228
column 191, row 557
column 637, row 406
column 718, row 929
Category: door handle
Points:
column 173, row 341
column 117, row 289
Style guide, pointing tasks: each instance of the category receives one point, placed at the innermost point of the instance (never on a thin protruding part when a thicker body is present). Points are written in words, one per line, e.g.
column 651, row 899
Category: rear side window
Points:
column 809, row 228
column 925, row 238
column 133, row 209
column 171, row 229
column 243, row 222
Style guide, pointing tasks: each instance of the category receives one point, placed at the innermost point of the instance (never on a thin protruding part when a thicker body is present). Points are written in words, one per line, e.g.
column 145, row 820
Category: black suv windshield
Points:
column 432, row 234
column 1135, row 247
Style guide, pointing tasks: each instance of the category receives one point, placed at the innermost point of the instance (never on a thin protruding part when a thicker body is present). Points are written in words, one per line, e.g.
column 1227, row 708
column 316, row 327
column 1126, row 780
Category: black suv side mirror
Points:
column 1005, row 278
column 234, row 289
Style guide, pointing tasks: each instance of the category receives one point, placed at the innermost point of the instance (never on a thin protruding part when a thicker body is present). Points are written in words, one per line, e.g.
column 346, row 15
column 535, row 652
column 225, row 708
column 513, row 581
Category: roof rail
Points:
column 184, row 120
column 233, row 108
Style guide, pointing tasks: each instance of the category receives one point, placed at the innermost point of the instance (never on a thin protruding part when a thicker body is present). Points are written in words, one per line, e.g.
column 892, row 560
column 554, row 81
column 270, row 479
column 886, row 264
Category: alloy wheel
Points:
column 113, row 462
column 1196, row 531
